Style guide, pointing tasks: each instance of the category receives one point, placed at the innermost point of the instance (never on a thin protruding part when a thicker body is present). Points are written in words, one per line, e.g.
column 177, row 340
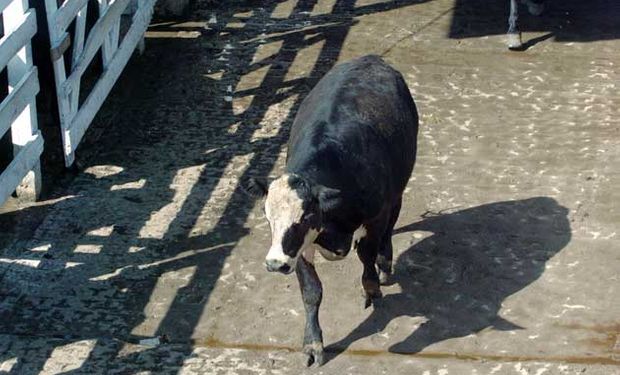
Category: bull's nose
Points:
column 274, row 265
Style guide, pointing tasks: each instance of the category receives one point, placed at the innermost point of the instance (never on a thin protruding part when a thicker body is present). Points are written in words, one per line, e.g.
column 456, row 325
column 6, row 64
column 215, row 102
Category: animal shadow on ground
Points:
column 458, row 277
column 566, row 21
column 182, row 116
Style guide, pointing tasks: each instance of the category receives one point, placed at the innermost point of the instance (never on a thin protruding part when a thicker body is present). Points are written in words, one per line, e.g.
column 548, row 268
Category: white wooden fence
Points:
column 18, row 110
column 104, row 35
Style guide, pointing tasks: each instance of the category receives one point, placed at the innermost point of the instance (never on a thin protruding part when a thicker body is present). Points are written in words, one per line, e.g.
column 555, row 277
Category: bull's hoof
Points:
column 384, row 269
column 314, row 353
column 514, row 42
column 384, row 277
column 373, row 299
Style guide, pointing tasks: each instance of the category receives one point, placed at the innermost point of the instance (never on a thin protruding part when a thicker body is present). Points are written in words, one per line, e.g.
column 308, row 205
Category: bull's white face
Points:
column 294, row 221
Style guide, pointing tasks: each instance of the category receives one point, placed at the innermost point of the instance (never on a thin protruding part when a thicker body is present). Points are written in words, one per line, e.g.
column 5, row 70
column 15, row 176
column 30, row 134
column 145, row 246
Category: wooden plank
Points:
column 25, row 124
column 78, row 46
column 26, row 160
column 106, row 51
column 106, row 82
column 94, row 41
column 59, row 73
column 66, row 13
column 80, row 31
column 4, row 4
column 63, row 100
column 13, row 105
column 115, row 34
column 50, row 11
column 58, row 49
column 17, row 36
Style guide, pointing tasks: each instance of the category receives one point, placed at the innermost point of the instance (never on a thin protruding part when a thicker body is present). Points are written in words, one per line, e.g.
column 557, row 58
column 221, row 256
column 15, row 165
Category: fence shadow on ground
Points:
column 458, row 277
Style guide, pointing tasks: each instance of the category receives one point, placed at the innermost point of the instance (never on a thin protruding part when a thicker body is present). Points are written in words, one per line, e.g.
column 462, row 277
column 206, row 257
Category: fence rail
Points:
column 18, row 109
column 104, row 36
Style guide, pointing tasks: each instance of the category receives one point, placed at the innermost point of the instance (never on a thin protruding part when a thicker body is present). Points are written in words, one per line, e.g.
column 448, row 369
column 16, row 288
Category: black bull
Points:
column 351, row 152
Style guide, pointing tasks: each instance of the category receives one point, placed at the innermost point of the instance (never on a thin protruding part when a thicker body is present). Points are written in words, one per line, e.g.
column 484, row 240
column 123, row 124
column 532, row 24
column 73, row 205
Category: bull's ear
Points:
column 255, row 187
column 328, row 198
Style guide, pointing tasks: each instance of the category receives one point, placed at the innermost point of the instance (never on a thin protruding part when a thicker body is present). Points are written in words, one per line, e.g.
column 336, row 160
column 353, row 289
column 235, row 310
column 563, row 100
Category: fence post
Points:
column 24, row 128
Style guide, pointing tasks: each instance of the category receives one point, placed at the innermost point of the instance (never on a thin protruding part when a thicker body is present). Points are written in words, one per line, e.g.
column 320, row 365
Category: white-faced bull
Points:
column 351, row 152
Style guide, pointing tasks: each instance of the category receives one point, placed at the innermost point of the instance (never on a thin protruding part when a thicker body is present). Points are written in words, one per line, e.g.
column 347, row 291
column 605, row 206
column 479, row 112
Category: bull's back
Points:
column 365, row 107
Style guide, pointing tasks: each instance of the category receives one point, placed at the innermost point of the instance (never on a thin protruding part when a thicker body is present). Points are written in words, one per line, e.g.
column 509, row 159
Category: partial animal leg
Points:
column 312, row 294
column 535, row 7
column 514, row 34
column 386, row 252
column 367, row 248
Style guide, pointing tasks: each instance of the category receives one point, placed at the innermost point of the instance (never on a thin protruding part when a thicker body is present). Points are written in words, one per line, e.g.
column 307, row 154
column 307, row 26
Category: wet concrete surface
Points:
column 506, row 249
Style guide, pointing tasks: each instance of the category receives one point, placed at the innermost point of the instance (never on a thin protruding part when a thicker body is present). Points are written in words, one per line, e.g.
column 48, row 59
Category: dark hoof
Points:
column 367, row 302
column 377, row 303
column 314, row 354
column 373, row 299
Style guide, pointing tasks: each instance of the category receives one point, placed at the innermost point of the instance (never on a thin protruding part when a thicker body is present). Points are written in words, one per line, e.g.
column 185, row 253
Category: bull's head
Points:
column 294, row 208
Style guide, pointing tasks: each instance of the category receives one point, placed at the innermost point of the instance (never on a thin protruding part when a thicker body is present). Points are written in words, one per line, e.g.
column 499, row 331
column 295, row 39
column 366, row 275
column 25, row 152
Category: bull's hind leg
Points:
column 312, row 294
column 535, row 7
column 367, row 246
column 514, row 34
column 386, row 252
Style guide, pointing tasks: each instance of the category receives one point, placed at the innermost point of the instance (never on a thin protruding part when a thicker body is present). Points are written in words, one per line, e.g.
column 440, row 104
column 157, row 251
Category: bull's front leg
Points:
column 312, row 294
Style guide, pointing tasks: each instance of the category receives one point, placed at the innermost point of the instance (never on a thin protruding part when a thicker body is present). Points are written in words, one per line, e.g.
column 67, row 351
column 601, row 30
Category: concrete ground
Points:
column 507, row 253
